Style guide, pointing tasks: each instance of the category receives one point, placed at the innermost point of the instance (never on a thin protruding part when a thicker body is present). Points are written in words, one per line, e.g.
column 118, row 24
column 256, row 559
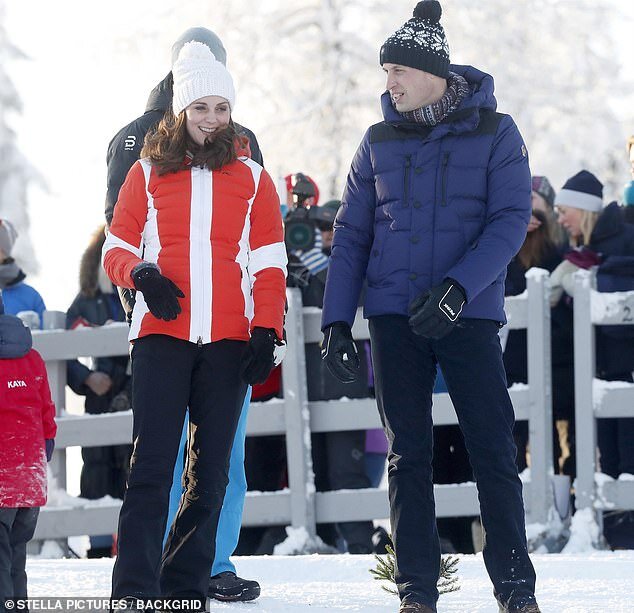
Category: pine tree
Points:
column 384, row 571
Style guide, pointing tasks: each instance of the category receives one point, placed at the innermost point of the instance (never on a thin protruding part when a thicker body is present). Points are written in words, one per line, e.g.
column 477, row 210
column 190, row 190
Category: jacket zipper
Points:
column 201, row 180
column 443, row 179
column 408, row 165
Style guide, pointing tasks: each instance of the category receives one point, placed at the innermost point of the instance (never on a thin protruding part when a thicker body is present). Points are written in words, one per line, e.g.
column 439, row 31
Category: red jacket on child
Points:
column 27, row 419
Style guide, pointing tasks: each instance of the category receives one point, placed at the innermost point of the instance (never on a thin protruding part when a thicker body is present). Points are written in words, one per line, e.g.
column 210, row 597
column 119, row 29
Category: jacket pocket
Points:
column 443, row 178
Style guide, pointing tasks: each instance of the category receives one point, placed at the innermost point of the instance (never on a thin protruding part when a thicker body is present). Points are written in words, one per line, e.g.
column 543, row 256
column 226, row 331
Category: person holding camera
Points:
column 338, row 457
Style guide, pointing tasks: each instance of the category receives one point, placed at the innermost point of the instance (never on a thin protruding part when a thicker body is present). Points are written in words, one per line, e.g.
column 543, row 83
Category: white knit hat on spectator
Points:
column 197, row 74
column 8, row 235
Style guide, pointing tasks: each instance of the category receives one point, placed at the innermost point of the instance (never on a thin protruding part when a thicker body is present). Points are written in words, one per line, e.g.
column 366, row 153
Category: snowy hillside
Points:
column 592, row 583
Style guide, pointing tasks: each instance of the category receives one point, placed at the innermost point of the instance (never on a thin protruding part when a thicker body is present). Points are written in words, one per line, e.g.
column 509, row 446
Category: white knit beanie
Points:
column 197, row 74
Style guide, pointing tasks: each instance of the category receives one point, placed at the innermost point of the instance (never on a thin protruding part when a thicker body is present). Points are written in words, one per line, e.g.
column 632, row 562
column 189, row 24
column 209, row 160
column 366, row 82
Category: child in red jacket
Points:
column 27, row 431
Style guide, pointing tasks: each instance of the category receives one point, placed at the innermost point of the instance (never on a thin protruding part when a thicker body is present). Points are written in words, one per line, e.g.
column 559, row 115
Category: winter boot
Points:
column 228, row 587
column 414, row 607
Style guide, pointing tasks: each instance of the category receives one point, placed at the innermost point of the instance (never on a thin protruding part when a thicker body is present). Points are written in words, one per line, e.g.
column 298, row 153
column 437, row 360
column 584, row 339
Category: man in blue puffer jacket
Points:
column 436, row 204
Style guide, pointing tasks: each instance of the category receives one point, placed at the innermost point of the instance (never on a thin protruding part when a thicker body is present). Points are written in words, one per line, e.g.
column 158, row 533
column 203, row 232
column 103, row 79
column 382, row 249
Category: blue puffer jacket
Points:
column 422, row 204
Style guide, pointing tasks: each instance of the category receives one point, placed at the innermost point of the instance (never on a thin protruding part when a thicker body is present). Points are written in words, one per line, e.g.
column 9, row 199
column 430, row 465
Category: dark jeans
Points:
column 16, row 530
column 170, row 375
column 405, row 370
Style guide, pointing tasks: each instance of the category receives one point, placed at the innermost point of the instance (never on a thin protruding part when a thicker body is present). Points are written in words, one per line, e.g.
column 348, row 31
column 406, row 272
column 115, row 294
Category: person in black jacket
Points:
column 603, row 238
column 540, row 251
column 123, row 151
column 106, row 385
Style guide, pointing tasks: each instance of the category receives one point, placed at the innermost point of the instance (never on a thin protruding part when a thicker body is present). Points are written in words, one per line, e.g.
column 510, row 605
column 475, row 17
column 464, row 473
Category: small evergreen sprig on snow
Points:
column 447, row 582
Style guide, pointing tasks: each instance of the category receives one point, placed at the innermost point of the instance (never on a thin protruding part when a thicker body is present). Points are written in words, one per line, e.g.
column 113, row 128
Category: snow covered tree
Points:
column 308, row 79
column 15, row 170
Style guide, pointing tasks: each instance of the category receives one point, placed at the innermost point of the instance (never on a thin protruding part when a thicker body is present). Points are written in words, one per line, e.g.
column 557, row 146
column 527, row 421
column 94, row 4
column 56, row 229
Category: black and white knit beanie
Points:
column 197, row 74
column 583, row 191
column 420, row 42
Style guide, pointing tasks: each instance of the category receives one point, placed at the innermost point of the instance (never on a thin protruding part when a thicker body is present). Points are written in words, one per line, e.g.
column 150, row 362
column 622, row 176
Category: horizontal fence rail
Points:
column 297, row 418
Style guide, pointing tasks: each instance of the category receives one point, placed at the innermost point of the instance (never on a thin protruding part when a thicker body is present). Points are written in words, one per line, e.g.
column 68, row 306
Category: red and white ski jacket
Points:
column 217, row 234
column 27, row 419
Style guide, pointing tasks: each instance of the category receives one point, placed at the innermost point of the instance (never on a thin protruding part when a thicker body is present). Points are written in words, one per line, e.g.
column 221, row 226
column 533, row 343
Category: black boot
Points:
column 228, row 587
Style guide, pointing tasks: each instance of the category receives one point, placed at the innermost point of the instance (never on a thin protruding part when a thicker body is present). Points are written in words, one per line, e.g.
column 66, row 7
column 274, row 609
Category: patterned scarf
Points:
column 432, row 114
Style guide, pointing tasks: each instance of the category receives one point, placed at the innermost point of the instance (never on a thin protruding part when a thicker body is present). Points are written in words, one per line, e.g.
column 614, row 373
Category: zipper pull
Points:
column 200, row 342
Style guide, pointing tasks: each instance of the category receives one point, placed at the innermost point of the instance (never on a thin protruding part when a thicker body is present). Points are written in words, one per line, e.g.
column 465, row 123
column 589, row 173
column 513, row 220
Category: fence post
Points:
column 584, row 376
column 301, row 479
column 540, row 423
column 56, row 372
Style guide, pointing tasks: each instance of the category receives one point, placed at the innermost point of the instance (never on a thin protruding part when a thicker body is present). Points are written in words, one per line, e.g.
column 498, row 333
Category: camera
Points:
column 302, row 221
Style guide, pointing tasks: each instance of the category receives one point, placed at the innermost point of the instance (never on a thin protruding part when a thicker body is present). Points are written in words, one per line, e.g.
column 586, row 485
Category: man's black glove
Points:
column 160, row 293
column 258, row 359
column 435, row 312
column 339, row 352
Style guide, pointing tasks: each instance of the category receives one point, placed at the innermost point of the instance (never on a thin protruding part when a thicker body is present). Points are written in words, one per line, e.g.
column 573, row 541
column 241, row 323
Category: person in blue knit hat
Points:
column 436, row 203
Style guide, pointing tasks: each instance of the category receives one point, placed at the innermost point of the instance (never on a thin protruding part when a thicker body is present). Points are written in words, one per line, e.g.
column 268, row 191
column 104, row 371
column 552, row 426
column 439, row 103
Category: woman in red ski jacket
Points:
column 197, row 231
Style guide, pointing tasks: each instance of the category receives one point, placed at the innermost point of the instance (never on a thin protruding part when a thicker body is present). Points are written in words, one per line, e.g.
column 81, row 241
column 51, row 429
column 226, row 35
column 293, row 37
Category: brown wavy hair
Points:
column 169, row 146
column 537, row 243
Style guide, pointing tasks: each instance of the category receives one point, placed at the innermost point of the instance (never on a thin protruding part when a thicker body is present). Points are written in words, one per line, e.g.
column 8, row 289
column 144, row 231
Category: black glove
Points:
column 435, row 312
column 339, row 352
column 160, row 293
column 50, row 446
column 258, row 359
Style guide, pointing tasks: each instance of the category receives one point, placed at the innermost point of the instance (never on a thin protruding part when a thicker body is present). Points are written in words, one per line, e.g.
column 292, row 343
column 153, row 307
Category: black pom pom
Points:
column 428, row 9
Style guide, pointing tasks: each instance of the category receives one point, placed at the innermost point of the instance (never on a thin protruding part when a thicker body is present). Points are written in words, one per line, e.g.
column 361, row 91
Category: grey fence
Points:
column 596, row 399
column 294, row 416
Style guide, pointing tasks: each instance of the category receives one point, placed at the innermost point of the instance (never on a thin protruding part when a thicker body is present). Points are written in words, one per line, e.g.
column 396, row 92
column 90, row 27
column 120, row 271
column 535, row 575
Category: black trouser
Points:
column 17, row 526
column 339, row 463
column 169, row 375
column 471, row 361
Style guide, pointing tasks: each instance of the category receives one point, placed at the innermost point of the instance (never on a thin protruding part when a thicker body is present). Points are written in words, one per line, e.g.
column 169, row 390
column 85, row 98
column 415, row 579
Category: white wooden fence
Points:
column 295, row 417
column 595, row 399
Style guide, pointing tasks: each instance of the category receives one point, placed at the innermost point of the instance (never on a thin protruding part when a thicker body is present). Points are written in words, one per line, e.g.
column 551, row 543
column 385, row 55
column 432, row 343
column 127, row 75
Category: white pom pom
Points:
column 194, row 50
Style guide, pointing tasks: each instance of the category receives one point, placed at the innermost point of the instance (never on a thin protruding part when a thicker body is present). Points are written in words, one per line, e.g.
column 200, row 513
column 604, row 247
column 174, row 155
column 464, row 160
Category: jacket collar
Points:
column 464, row 119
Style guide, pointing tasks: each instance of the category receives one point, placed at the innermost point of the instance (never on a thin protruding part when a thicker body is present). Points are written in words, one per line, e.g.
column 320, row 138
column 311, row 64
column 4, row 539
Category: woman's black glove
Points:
column 258, row 359
column 160, row 293
column 435, row 312
column 339, row 352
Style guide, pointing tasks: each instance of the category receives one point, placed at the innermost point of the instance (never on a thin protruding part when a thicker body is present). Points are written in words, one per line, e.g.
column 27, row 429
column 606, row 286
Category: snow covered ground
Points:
column 600, row 582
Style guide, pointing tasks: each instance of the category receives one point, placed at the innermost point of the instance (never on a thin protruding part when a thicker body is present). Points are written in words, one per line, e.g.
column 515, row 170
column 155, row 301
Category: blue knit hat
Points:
column 420, row 42
column 583, row 191
column 628, row 194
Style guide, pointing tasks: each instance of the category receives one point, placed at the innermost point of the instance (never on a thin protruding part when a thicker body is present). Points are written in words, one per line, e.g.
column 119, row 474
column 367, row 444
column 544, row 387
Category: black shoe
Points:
column 530, row 607
column 380, row 538
column 228, row 587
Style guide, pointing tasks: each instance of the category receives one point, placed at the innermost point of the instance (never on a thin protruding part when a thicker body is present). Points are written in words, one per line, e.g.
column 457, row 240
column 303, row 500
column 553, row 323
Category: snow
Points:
column 584, row 532
column 600, row 388
column 575, row 583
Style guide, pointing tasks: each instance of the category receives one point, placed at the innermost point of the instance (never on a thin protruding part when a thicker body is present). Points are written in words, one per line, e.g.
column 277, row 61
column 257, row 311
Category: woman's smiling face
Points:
column 206, row 116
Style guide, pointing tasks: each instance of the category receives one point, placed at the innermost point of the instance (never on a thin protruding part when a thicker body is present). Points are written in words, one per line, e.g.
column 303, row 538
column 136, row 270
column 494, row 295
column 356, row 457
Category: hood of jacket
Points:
column 610, row 223
column 466, row 117
column 160, row 97
column 15, row 337
column 90, row 265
